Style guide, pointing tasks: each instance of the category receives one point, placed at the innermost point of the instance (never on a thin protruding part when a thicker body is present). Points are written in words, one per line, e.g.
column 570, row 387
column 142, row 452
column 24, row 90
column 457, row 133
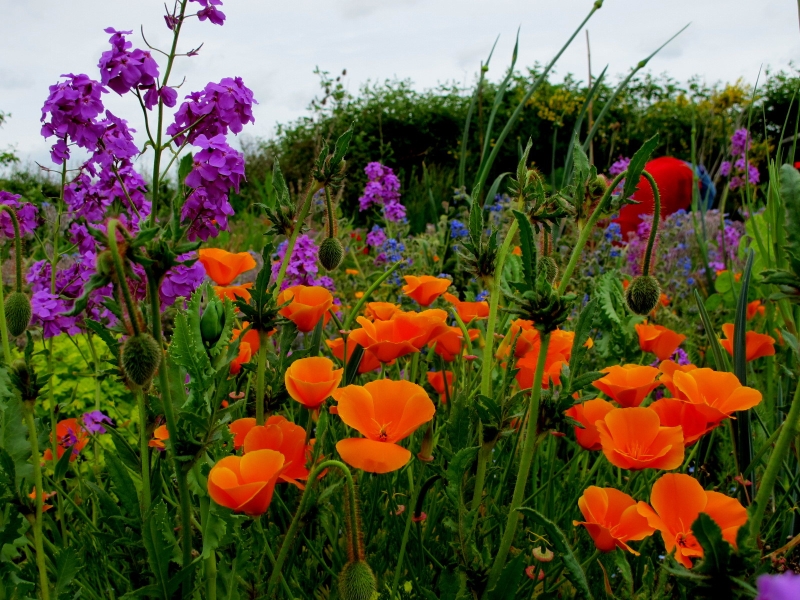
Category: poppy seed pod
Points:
column 550, row 268
column 18, row 313
column 140, row 358
column 331, row 253
column 212, row 322
column 642, row 294
column 357, row 582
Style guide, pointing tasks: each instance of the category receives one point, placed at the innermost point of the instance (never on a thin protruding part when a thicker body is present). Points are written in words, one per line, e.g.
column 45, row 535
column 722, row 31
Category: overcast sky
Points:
column 275, row 46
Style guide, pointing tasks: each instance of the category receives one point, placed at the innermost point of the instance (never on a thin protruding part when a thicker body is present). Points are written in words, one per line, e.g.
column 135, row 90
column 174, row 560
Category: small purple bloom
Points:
column 619, row 165
column 210, row 11
column 122, row 69
column 785, row 586
column 93, row 422
column 725, row 168
column 740, row 142
column 376, row 237
column 182, row 280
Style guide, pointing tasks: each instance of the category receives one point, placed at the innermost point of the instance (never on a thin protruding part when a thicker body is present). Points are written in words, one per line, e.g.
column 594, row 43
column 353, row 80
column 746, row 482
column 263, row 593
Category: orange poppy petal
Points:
column 372, row 456
column 356, row 409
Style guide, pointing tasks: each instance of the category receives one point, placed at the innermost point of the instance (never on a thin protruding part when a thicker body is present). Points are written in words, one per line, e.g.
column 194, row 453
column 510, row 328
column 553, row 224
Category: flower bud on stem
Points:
column 15, row 311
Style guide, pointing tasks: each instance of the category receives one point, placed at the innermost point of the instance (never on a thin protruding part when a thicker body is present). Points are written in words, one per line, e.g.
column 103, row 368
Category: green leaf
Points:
column 67, row 565
column 104, row 334
column 340, row 149
column 740, row 324
column 123, row 485
column 8, row 475
column 720, row 363
column 528, row 248
column 351, row 370
column 581, row 381
column 574, row 571
column 279, row 184
column 62, row 465
column 459, row 465
column 583, row 329
column 159, row 549
column 185, row 167
column 213, row 530
column 610, row 295
column 621, row 561
column 124, row 450
column 636, row 166
column 13, row 434
column 716, row 550
column 187, row 351
column 476, row 224
column 508, row 583
column 790, row 195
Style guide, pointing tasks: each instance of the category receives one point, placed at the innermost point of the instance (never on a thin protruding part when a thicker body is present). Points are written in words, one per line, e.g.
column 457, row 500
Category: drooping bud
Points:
column 550, row 268
column 331, row 253
column 357, row 582
column 212, row 322
column 642, row 294
column 426, row 449
column 140, row 358
column 18, row 313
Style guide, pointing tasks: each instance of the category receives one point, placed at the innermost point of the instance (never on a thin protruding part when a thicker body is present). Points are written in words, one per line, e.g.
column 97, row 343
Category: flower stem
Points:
column 524, row 469
column 144, row 450
column 648, row 253
column 122, row 281
column 790, row 428
column 295, row 525
column 37, row 478
column 313, row 189
column 260, row 371
column 586, row 232
column 331, row 214
column 410, row 510
column 365, row 298
column 210, row 562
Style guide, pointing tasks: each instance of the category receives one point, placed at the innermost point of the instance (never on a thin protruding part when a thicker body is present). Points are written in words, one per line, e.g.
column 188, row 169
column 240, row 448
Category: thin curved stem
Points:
column 410, row 509
column 144, row 450
column 313, row 189
column 122, row 281
column 656, row 220
column 260, row 371
column 17, row 244
column 365, row 298
column 37, row 524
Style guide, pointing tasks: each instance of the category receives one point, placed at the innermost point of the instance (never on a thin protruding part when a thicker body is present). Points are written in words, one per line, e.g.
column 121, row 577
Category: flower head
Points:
column 289, row 439
column 437, row 381
column 425, row 289
column 93, row 422
column 658, row 339
column 756, row 344
column 307, row 305
column 468, row 310
column 634, row 438
column 222, row 266
column 716, row 395
column 69, row 434
column 587, row 414
column 310, row 381
column 676, row 413
column 246, row 483
column 785, row 586
column 368, row 361
column 628, row 385
column 612, row 519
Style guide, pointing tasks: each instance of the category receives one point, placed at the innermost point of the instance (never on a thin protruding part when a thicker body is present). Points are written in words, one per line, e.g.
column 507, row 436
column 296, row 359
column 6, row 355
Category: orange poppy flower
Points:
column 240, row 428
column 432, row 322
column 384, row 412
column 517, row 251
column 368, row 361
column 160, row 436
column 676, row 413
column 523, row 333
column 663, row 299
column 246, row 483
column 381, row 311
column 658, row 339
column 587, row 414
column 756, row 344
column 449, row 344
column 628, row 385
column 633, row 438
column 612, row 519
column 668, row 368
column 425, row 289
column 45, row 497
column 289, row 439
column 437, row 379
column 234, row 291
column 351, row 271
column 311, row 380
column 308, row 305
column 69, row 434
column 223, row 267
column 755, row 308
column 558, row 353
column 251, row 337
column 715, row 394
column 677, row 500
column 388, row 340
column 468, row 310
column 244, row 356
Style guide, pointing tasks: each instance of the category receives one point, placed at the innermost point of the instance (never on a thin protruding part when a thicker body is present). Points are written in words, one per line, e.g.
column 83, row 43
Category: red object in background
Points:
column 674, row 179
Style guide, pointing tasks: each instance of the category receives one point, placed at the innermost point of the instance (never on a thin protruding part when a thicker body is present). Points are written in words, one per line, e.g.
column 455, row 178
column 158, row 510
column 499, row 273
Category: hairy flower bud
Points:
column 642, row 294
column 105, row 263
column 212, row 322
column 331, row 253
column 357, row 582
column 550, row 268
column 140, row 358
column 18, row 313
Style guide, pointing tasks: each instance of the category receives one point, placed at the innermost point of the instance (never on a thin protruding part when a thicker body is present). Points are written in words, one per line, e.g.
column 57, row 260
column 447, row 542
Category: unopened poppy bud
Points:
column 357, row 582
column 426, row 451
column 18, row 313
column 642, row 294
column 331, row 253
column 140, row 358
column 212, row 322
column 550, row 268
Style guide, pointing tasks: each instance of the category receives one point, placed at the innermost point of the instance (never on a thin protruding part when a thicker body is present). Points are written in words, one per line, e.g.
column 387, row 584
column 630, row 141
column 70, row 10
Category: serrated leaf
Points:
column 574, row 571
column 508, row 583
column 159, row 549
column 583, row 329
column 340, row 149
column 636, row 166
column 609, row 291
column 584, row 379
column 185, row 167
column 716, row 550
column 459, row 465
column 279, row 185
column 213, row 530
column 104, row 334
column 187, row 351
column 476, row 226
column 67, row 565
column 123, row 485
column 528, row 248
column 13, row 433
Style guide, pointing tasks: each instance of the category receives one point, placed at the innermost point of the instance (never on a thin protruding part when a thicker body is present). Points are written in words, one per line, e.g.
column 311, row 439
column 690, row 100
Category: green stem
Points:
column 37, row 524
column 331, row 214
column 789, row 430
column 313, row 189
column 122, row 281
column 295, row 525
column 144, row 451
column 587, row 231
column 410, row 510
column 654, row 228
column 365, row 298
column 260, row 371
column 484, row 455
column 524, row 469
column 210, row 562
column 4, row 328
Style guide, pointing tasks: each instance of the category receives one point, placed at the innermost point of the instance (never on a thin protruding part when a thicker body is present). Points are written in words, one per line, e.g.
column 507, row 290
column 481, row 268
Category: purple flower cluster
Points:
column 27, row 215
column 619, row 165
column 302, row 268
column 740, row 142
column 48, row 311
column 210, row 11
column 73, row 106
column 93, row 422
column 744, row 171
column 182, row 280
column 376, row 237
column 90, row 199
column 382, row 189
column 216, row 169
column 219, row 108
column 123, row 69
column 785, row 586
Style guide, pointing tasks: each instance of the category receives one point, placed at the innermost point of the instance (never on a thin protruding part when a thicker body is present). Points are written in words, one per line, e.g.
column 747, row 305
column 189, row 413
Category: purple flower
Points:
column 167, row 94
column 382, row 189
column 219, row 108
column 725, row 168
column 785, row 586
column 72, row 107
column 48, row 311
column 181, row 280
column 210, row 12
column 619, row 165
column 680, row 357
column 26, row 215
column 394, row 212
column 740, row 142
column 376, row 237
column 122, row 69
column 93, row 422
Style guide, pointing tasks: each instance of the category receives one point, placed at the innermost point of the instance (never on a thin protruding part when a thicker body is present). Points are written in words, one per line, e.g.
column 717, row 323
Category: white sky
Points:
column 274, row 46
